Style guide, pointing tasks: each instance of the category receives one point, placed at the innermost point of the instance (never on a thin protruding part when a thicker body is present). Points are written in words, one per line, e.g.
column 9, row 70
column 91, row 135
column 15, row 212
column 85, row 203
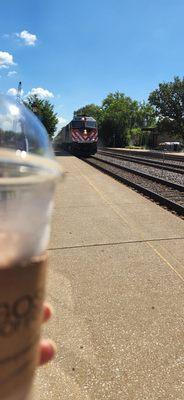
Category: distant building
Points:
column 153, row 139
column 150, row 137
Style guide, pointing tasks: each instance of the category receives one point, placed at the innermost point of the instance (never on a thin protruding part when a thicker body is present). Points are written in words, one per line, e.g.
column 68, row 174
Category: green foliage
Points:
column 135, row 136
column 90, row 110
column 44, row 110
column 168, row 102
column 146, row 116
column 118, row 118
column 131, row 147
column 121, row 120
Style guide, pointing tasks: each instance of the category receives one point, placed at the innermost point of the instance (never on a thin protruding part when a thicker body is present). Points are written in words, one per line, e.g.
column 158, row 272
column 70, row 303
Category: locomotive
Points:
column 79, row 137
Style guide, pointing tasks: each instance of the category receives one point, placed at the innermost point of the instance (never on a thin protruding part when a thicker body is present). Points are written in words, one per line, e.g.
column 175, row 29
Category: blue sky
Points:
column 79, row 51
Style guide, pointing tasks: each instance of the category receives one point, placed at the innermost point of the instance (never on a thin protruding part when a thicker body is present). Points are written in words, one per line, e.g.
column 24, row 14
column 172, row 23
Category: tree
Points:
column 119, row 116
column 146, row 115
column 168, row 102
column 44, row 110
column 90, row 110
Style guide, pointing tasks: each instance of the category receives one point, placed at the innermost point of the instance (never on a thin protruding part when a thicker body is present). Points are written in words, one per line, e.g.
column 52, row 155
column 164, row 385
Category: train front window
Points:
column 78, row 125
column 90, row 124
column 82, row 125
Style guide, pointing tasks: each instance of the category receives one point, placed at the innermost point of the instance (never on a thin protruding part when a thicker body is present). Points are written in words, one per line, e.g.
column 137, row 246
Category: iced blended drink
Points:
column 28, row 173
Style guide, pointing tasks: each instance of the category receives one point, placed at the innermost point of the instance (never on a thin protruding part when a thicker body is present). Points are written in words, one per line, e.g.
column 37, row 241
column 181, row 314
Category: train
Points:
column 79, row 137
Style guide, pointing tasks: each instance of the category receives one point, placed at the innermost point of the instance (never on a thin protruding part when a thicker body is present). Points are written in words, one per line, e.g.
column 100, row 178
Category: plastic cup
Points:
column 28, row 175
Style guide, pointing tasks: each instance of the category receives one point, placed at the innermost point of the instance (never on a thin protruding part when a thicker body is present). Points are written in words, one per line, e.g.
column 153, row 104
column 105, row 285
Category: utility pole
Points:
column 19, row 91
column 25, row 145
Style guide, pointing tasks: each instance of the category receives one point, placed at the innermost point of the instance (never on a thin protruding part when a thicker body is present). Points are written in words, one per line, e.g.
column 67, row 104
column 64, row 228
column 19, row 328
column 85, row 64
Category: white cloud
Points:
column 11, row 73
column 6, row 59
column 28, row 38
column 40, row 92
column 3, row 66
column 13, row 92
column 62, row 122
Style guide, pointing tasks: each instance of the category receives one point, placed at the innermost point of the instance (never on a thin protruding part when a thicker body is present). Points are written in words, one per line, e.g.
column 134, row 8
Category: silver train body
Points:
column 79, row 137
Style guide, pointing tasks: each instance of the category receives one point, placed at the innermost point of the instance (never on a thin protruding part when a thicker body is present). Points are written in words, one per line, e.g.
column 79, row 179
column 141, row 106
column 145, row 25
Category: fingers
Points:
column 47, row 351
column 47, row 312
column 47, row 348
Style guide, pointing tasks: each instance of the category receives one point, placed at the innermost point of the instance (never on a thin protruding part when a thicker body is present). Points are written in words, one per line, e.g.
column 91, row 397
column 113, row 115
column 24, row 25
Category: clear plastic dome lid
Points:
column 23, row 135
column 28, row 174
column 21, row 130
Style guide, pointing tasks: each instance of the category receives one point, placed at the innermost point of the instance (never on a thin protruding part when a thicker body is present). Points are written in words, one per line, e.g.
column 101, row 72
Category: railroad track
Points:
column 164, row 165
column 148, row 154
column 164, row 192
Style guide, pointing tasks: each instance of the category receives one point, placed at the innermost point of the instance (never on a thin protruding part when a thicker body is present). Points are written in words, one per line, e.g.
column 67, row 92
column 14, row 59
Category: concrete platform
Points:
column 116, row 283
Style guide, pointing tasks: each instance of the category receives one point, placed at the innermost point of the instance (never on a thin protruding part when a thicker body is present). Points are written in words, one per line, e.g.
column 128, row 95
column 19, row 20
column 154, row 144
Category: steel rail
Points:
column 144, row 175
column 152, row 194
column 151, row 154
column 156, row 164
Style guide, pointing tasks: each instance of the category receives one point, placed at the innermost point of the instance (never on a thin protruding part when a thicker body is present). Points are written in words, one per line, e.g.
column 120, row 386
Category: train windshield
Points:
column 90, row 124
column 78, row 124
column 83, row 124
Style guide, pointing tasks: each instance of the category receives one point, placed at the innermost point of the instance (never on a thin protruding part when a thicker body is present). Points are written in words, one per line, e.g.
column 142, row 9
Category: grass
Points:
column 135, row 147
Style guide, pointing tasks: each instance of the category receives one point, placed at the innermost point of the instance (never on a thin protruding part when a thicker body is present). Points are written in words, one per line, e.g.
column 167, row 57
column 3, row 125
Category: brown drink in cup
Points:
column 28, row 173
